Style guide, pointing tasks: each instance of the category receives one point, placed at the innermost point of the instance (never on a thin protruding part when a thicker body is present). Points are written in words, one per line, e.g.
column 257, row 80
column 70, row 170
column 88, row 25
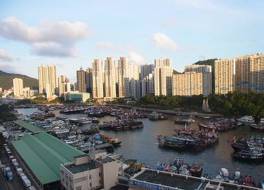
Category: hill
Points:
column 206, row 62
column 6, row 80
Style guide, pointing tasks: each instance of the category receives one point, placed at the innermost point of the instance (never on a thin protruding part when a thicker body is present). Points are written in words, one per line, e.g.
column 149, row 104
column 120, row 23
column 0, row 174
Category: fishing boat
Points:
column 180, row 143
column 154, row 116
column 239, row 144
column 249, row 181
column 249, row 155
column 196, row 170
column 256, row 127
column 183, row 121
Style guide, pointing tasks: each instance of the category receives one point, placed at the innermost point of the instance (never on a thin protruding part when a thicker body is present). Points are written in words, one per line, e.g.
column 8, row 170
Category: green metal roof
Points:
column 44, row 154
column 29, row 126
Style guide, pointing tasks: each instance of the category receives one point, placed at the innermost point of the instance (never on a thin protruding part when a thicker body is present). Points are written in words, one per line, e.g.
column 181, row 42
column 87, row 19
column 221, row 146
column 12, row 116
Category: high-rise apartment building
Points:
column 224, row 76
column 162, row 77
column 98, row 78
column 145, row 70
column 18, row 87
column 47, row 80
column 123, row 77
column 249, row 75
column 81, row 80
column 62, row 82
column 192, row 83
column 242, row 74
column 89, row 80
column 110, row 78
column 147, row 85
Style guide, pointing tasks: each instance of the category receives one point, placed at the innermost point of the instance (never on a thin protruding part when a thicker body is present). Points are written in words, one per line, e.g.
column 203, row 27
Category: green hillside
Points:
column 6, row 80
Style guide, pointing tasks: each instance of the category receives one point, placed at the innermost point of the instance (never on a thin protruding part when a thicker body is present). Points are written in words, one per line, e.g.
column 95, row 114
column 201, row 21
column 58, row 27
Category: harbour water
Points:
column 142, row 145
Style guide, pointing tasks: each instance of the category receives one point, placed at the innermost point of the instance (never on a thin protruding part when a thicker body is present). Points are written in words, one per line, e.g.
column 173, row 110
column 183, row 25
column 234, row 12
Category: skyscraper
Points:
column 162, row 77
column 147, row 85
column 123, row 78
column 250, row 73
column 98, row 79
column 18, row 87
column 133, row 89
column 224, row 76
column 192, row 83
column 47, row 80
column 110, row 78
column 62, row 81
column 81, row 80
column 89, row 80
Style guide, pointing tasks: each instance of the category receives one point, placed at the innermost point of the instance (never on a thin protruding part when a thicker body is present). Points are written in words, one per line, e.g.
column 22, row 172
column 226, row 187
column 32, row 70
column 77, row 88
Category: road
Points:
column 16, row 183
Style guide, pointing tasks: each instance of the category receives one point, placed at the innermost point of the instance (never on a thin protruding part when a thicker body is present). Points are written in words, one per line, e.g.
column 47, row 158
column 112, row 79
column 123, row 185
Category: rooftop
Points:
column 92, row 164
column 28, row 126
column 44, row 154
column 168, row 180
column 155, row 179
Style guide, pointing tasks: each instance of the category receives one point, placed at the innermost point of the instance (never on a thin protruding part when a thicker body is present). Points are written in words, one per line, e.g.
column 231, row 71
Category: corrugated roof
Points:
column 43, row 154
column 29, row 126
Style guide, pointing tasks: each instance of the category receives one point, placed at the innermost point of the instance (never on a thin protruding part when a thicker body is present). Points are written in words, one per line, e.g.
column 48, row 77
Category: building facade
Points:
column 86, row 173
column 162, row 77
column 148, row 85
column 192, row 83
column 18, row 87
column 243, row 74
column 123, row 78
column 98, row 78
column 250, row 73
column 47, row 80
column 110, row 78
column 81, row 80
column 224, row 76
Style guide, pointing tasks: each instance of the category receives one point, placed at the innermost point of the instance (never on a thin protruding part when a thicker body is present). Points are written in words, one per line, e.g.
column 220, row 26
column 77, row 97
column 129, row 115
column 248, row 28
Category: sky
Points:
column 70, row 34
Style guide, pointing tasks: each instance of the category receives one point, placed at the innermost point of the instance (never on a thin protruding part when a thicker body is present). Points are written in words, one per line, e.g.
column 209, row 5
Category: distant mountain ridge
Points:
column 6, row 80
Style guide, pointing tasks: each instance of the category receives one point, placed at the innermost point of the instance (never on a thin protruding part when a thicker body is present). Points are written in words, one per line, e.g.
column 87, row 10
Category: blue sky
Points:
column 71, row 34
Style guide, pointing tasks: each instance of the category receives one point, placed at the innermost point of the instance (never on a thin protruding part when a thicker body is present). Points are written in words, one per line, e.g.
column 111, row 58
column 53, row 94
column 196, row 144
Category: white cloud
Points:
column 105, row 46
column 136, row 58
column 164, row 42
column 60, row 37
column 53, row 49
column 4, row 56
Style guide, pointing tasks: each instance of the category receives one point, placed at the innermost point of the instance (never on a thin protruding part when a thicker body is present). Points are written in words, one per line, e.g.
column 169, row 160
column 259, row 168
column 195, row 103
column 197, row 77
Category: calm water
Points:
column 142, row 145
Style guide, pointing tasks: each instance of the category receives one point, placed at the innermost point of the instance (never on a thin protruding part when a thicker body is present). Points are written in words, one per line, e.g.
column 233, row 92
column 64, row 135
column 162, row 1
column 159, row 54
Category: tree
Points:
column 6, row 113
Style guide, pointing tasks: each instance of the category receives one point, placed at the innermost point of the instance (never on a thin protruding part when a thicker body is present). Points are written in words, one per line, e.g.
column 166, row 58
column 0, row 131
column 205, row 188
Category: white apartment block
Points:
column 243, row 74
column 123, row 76
column 162, row 77
column 110, row 82
column 249, row 74
column 98, row 78
column 192, row 83
column 90, row 174
column 18, row 87
column 47, row 80
column 224, row 76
